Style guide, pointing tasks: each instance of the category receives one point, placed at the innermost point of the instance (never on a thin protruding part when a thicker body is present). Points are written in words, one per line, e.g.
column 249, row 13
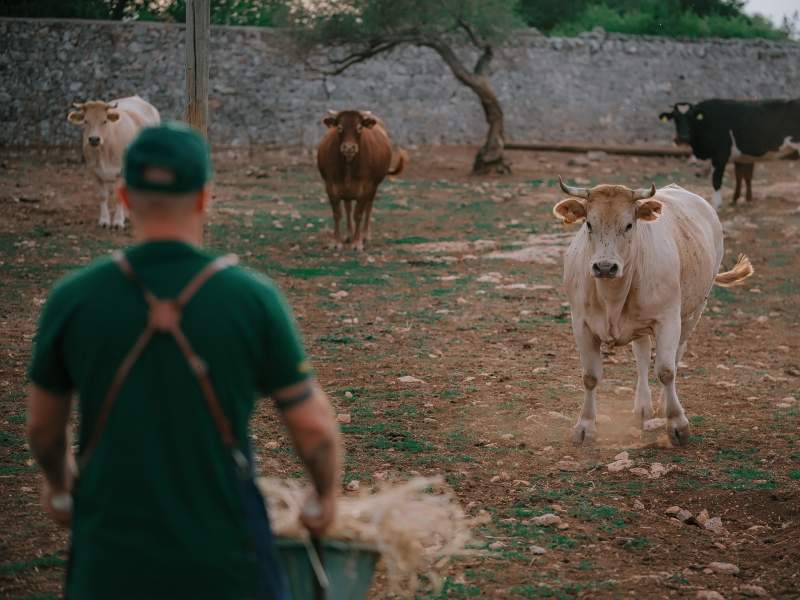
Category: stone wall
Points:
column 595, row 87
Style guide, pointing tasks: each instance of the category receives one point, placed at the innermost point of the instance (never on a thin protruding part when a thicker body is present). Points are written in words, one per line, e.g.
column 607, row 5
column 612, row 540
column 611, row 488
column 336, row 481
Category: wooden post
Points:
column 198, row 27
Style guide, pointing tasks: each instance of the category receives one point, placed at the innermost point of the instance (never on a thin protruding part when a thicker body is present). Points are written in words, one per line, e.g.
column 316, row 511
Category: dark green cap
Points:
column 171, row 158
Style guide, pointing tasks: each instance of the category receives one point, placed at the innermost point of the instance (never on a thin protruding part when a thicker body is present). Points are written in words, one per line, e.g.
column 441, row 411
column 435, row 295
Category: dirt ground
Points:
column 460, row 288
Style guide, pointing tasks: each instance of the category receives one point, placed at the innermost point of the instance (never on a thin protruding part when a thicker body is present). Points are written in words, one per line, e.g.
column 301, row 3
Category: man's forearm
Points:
column 321, row 460
column 48, row 421
column 52, row 457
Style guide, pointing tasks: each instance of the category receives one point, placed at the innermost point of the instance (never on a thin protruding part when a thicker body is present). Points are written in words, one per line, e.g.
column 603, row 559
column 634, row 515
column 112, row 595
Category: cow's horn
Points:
column 644, row 193
column 573, row 191
column 78, row 105
column 112, row 106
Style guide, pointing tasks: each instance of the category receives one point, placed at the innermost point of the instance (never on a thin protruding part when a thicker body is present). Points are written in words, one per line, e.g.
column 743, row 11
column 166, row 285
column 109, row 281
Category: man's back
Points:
column 157, row 506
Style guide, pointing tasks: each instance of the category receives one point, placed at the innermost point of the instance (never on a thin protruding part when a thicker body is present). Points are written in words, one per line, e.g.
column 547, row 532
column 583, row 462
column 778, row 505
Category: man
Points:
column 168, row 350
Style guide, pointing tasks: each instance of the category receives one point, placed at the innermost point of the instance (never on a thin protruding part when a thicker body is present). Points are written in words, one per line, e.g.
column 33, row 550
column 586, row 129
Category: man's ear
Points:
column 122, row 196
column 570, row 210
column 76, row 117
column 664, row 117
column 648, row 210
column 699, row 116
column 112, row 116
column 203, row 199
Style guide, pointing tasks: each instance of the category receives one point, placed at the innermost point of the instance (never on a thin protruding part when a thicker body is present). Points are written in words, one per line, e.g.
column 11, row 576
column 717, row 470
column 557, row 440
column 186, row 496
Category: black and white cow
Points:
column 745, row 131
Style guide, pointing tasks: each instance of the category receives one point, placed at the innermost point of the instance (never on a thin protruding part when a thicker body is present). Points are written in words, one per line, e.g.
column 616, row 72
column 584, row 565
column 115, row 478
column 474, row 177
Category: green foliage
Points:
column 366, row 22
column 674, row 18
column 223, row 12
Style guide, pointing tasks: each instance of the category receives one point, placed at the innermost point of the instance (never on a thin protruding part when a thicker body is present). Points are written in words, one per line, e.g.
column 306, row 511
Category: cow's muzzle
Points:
column 349, row 150
column 94, row 141
column 606, row 269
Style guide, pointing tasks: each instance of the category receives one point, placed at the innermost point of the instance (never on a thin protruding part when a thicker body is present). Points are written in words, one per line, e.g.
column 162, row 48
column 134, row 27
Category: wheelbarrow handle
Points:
column 315, row 556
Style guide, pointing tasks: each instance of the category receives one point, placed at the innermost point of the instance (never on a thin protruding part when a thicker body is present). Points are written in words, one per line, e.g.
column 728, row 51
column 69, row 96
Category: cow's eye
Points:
column 340, row 128
column 104, row 122
column 629, row 226
column 589, row 226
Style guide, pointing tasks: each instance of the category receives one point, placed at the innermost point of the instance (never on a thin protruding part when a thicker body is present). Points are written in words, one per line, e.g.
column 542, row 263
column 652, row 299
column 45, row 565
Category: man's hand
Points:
column 57, row 504
column 310, row 421
column 318, row 514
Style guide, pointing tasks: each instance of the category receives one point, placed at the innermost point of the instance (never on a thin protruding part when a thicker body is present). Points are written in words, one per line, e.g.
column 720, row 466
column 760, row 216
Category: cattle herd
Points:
column 638, row 271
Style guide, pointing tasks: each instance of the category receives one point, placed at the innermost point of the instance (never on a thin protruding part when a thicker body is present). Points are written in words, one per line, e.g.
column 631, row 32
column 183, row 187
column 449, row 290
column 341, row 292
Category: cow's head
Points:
column 95, row 116
column 686, row 116
column 612, row 213
column 349, row 124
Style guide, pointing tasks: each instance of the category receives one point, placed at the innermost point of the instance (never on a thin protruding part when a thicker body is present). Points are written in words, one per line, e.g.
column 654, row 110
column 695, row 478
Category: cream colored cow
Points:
column 641, row 267
column 108, row 128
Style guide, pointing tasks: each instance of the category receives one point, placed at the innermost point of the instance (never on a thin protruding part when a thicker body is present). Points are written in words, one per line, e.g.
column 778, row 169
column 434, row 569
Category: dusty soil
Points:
column 461, row 289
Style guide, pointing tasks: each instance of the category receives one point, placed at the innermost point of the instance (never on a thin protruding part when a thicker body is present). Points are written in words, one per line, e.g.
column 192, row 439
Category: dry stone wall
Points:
column 594, row 87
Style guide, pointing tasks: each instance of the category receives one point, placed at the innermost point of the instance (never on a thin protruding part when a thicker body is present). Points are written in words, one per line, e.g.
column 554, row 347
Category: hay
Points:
column 414, row 531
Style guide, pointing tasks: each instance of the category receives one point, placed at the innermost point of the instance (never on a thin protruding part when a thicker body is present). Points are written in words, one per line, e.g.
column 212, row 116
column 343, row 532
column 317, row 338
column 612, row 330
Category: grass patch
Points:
column 42, row 562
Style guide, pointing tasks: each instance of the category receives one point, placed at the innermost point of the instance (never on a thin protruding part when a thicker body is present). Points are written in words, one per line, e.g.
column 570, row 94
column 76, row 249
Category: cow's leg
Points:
column 368, row 221
column 739, row 171
column 105, row 216
column 358, row 236
column 348, row 211
column 361, row 209
column 642, row 401
column 668, row 345
column 716, row 180
column 747, row 173
column 336, row 206
column 592, row 365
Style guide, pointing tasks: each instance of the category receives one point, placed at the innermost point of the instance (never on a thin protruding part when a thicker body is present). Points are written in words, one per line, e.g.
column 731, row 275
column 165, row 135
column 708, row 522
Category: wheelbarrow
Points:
column 346, row 569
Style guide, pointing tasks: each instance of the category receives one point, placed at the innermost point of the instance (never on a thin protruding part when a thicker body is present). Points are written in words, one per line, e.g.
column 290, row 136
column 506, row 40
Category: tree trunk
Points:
column 490, row 157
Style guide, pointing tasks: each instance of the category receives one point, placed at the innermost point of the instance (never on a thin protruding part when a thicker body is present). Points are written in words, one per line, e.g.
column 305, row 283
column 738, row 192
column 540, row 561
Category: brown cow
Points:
column 354, row 156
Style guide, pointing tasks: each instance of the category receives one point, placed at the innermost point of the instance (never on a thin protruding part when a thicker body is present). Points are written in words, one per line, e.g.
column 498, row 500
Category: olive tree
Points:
column 335, row 35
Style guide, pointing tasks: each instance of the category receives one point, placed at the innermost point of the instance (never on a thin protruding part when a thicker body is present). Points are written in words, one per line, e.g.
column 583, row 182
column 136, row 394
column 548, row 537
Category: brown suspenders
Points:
column 165, row 317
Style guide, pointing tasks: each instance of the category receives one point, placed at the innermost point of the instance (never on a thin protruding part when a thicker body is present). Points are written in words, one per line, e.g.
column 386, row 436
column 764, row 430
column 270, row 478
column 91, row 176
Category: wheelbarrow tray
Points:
column 349, row 566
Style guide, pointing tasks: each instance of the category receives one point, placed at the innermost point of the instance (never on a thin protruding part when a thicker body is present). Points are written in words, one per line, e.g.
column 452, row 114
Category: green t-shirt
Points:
column 157, row 511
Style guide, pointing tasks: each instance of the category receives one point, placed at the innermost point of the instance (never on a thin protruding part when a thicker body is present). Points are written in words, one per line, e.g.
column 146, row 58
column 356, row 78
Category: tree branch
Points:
column 483, row 61
column 340, row 65
column 476, row 41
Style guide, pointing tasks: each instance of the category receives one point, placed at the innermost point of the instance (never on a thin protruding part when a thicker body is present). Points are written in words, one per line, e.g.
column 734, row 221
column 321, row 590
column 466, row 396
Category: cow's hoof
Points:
column 678, row 430
column 104, row 225
column 335, row 246
column 584, row 432
column 358, row 246
column 643, row 412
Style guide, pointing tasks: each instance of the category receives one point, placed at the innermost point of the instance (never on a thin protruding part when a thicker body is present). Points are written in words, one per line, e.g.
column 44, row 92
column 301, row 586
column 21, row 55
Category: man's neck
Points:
column 164, row 232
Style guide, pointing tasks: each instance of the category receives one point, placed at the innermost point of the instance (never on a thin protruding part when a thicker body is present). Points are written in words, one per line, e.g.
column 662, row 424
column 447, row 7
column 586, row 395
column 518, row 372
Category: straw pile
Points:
column 415, row 532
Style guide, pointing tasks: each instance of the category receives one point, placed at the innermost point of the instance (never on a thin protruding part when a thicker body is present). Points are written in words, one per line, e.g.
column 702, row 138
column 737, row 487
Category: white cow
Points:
column 108, row 128
column 641, row 267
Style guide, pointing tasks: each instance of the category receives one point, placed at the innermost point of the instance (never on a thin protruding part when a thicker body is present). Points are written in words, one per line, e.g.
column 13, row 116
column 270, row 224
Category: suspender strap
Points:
column 165, row 317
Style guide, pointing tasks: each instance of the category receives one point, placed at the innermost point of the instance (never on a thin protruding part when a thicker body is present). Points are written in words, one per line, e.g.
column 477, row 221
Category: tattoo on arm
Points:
column 321, row 465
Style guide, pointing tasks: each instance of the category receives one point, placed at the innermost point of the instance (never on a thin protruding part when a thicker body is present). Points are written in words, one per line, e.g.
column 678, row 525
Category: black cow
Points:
column 746, row 131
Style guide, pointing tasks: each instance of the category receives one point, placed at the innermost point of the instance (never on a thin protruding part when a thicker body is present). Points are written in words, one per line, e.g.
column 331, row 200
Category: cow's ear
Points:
column 368, row 122
column 329, row 121
column 648, row 210
column 664, row 117
column 76, row 116
column 112, row 116
column 570, row 210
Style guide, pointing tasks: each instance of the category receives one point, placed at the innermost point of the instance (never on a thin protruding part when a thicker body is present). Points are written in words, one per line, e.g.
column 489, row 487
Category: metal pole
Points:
column 198, row 27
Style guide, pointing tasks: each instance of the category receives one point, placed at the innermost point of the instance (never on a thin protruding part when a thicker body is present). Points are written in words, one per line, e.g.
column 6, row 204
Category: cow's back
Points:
column 141, row 112
column 689, row 226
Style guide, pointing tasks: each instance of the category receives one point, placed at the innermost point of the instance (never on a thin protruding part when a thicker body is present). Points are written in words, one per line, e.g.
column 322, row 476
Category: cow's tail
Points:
column 737, row 274
column 402, row 159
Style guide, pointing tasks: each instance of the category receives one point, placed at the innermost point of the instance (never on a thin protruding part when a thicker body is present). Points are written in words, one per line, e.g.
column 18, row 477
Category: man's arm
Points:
column 309, row 418
column 48, row 418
